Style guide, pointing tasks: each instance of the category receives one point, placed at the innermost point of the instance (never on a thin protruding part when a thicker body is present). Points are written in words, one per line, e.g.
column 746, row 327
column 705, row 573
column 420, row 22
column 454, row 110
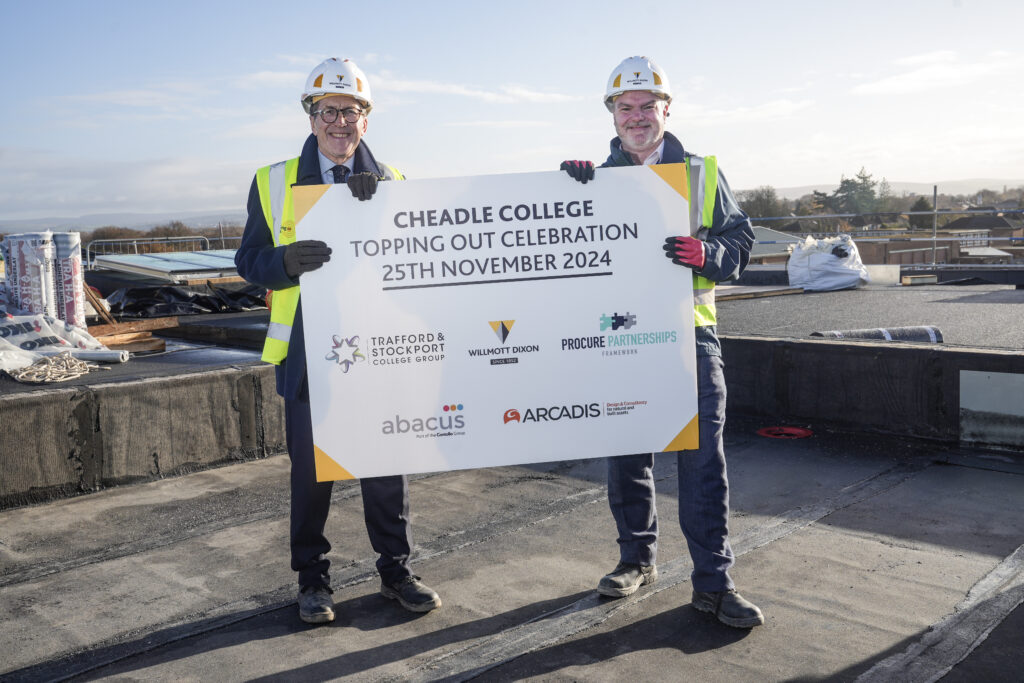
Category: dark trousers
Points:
column 703, row 492
column 385, row 509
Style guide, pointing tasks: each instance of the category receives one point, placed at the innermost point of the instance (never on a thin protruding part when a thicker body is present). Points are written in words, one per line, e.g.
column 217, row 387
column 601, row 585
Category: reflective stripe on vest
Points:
column 274, row 184
column 703, row 175
column 275, row 187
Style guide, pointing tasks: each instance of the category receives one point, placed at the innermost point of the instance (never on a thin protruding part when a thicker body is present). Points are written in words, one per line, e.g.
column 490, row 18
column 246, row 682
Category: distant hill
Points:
column 138, row 221
column 947, row 187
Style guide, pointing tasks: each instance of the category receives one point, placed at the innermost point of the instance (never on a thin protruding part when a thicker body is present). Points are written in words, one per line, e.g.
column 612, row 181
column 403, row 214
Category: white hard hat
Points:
column 337, row 77
column 636, row 73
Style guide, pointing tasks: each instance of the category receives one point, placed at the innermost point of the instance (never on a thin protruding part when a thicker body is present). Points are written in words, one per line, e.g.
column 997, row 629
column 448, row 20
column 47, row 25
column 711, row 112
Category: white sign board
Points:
column 498, row 320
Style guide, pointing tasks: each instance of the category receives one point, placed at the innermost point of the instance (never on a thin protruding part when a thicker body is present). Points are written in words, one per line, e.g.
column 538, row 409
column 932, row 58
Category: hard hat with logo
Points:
column 337, row 77
column 636, row 73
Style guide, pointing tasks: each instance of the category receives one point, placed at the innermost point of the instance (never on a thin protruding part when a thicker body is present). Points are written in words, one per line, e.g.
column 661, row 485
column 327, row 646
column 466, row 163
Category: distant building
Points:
column 771, row 246
column 988, row 238
column 979, row 222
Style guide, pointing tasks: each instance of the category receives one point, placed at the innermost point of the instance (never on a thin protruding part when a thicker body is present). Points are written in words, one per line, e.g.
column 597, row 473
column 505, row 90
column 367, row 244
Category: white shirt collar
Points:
column 655, row 157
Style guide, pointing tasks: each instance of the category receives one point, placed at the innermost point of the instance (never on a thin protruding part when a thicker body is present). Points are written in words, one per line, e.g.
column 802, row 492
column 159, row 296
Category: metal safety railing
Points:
column 150, row 245
column 966, row 239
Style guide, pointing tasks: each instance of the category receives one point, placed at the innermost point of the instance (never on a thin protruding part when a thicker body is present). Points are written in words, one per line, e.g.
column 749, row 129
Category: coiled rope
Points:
column 59, row 368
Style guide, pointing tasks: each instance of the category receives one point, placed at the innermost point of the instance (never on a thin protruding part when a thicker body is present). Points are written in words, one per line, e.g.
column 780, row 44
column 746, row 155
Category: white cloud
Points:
column 522, row 94
column 138, row 98
column 697, row 116
column 505, row 94
column 276, row 79
column 936, row 57
column 284, row 123
column 942, row 70
column 308, row 60
column 498, row 124
column 55, row 185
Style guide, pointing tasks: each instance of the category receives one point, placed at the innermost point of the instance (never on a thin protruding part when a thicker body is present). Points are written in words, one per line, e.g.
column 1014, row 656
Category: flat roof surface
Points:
column 975, row 316
column 872, row 559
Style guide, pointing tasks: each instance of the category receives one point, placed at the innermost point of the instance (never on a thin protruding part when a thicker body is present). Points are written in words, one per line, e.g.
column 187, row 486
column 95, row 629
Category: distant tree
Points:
column 885, row 201
column 803, row 206
column 172, row 229
column 821, row 203
column 224, row 235
column 113, row 232
column 762, row 202
column 920, row 222
column 855, row 195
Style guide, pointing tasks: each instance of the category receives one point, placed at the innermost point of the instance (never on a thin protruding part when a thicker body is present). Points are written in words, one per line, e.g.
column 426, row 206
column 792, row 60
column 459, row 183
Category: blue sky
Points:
column 113, row 106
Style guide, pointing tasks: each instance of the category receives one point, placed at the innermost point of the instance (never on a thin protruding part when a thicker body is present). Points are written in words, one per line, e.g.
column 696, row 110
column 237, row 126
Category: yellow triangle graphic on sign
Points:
column 502, row 328
column 686, row 440
column 304, row 197
column 675, row 176
column 327, row 469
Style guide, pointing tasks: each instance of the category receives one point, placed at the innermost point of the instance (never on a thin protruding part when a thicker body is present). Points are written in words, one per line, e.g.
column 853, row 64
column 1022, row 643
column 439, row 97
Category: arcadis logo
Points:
column 553, row 413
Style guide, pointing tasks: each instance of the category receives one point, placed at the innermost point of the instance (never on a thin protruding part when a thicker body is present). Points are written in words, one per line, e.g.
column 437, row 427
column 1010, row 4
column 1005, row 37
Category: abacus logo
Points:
column 444, row 424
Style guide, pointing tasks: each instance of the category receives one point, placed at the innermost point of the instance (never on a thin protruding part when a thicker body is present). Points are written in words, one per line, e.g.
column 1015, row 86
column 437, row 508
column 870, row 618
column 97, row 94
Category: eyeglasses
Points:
column 330, row 114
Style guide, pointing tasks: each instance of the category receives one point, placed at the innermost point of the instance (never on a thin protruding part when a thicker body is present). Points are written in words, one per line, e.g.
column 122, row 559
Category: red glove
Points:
column 579, row 170
column 685, row 251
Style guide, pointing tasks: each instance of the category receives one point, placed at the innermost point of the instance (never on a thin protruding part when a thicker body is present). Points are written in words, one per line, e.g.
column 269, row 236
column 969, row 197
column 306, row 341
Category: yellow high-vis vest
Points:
column 703, row 175
column 274, row 183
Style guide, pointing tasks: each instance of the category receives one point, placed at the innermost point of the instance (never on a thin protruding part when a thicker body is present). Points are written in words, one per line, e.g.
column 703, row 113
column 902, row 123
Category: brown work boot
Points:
column 626, row 578
column 316, row 606
column 730, row 607
column 411, row 593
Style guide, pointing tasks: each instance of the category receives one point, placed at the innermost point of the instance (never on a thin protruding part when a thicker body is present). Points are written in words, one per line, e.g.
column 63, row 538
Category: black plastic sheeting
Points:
column 158, row 302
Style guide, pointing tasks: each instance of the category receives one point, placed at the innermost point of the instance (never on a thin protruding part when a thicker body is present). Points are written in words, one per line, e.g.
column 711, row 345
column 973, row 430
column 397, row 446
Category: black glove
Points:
column 305, row 255
column 363, row 185
column 579, row 170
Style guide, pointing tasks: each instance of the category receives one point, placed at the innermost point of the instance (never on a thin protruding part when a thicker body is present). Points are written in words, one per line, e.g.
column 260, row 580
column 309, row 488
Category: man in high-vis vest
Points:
column 338, row 100
column 638, row 96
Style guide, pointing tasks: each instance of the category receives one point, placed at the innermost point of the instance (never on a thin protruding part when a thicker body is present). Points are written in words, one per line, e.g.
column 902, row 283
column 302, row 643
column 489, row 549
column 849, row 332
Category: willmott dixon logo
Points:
column 502, row 328
column 504, row 354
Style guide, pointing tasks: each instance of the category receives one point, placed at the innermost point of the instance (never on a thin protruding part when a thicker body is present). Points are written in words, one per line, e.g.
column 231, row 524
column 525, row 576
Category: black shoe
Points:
column 626, row 578
column 316, row 606
column 730, row 608
column 411, row 594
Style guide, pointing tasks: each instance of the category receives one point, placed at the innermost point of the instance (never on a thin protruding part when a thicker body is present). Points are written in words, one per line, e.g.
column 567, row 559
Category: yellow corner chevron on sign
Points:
column 305, row 196
column 326, row 468
column 673, row 174
column 686, row 440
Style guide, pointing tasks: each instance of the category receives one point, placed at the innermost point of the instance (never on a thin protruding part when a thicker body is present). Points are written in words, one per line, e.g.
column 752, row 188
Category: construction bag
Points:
column 827, row 264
